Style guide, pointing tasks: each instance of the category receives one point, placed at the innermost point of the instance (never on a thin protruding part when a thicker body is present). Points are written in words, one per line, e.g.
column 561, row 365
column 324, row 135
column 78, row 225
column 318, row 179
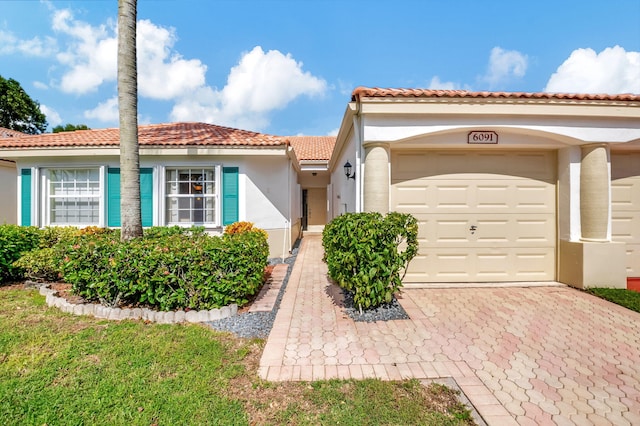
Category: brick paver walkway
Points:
column 528, row 356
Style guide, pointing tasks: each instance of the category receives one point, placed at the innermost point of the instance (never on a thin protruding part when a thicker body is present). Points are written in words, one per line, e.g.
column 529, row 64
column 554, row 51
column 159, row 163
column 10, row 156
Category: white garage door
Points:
column 625, row 206
column 483, row 216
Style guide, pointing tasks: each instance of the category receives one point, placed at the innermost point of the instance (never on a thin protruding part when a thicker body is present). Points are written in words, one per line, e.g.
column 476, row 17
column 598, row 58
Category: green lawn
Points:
column 623, row 297
column 59, row 369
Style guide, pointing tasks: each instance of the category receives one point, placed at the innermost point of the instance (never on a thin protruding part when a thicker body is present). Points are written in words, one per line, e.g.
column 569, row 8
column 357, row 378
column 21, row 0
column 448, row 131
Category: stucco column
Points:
column 376, row 178
column 594, row 192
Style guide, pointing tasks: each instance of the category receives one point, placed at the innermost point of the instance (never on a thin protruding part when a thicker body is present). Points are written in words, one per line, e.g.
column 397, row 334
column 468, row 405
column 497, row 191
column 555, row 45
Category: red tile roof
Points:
column 170, row 135
column 8, row 133
column 376, row 92
column 309, row 148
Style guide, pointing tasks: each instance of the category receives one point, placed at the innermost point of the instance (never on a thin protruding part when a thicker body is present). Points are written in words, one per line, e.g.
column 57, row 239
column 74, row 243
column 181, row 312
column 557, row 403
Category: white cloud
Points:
column 53, row 118
column 267, row 81
column 10, row 44
column 91, row 56
column 436, row 84
column 613, row 70
column 40, row 85
column 91, row 59
column 106, row 111
column 334, row 132
column 504, row 65
column 163, row 74
column 259, row 84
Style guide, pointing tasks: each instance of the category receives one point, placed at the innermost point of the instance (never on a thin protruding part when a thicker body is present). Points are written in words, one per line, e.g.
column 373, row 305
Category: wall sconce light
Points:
column 347, row 171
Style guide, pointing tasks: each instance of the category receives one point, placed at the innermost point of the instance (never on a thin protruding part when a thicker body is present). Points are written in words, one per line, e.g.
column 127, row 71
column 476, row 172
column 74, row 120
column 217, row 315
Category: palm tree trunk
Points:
column 131, row 219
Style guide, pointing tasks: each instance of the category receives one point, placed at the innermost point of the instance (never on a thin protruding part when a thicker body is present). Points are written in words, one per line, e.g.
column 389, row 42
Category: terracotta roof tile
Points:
column 8, row 133
column 170, row 134
column 308, row 148
column 362, row 92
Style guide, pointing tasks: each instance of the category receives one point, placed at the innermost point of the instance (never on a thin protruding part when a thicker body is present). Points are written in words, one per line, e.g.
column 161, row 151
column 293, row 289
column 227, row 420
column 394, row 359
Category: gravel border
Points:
column 259, row 324
column 385, row 312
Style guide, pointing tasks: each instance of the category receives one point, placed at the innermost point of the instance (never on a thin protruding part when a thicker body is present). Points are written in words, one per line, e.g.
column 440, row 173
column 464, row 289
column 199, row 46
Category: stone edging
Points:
column 145, row 314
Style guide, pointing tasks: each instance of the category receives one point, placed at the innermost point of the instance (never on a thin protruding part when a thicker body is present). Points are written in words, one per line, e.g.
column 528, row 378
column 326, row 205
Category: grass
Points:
column 623, row 297
column 57, row 368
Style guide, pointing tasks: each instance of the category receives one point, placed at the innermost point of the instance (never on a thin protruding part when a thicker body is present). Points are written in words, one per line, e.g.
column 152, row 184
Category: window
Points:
column 191, row 196
column 74, row 196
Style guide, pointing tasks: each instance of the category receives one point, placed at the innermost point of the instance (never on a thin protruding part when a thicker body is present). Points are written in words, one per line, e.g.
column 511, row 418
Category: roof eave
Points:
column 96, row 151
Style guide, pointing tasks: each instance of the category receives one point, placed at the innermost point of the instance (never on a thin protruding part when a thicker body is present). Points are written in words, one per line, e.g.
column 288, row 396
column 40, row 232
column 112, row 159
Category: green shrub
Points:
column 45, row 263
column 52, row 235
column 14, row 241
column 40, row 265
column 365, row 253
column 167, row 269
column 167, row 231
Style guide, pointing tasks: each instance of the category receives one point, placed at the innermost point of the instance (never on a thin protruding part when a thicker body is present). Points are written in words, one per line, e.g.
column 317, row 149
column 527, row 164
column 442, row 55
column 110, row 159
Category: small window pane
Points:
column 189, row 195
column 74, row 196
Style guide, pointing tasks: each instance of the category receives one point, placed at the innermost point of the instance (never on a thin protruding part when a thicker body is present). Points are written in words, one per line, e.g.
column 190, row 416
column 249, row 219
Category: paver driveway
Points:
column 536, row 355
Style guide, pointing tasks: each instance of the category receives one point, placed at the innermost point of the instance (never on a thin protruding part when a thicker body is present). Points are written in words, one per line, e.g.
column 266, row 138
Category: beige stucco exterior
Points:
column 9, row 184
column 578, row 132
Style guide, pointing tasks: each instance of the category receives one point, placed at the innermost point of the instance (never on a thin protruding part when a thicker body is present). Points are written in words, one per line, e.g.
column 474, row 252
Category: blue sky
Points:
column 288, row 67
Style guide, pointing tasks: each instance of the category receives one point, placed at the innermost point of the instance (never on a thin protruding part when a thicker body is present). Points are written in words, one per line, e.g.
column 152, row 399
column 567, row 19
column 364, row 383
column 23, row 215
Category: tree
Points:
column 70, row 128
column 18, row 111
column 130, row 215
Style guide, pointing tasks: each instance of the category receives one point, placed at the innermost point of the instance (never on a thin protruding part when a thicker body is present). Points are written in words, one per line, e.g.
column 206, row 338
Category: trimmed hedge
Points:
column 14, row 242
column 365, row 253
column 169, row 269
column 43, row 263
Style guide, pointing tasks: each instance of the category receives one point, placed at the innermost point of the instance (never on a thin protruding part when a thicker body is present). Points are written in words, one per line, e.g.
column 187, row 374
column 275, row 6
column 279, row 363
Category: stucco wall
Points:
column 343, row 190
column 9, row 184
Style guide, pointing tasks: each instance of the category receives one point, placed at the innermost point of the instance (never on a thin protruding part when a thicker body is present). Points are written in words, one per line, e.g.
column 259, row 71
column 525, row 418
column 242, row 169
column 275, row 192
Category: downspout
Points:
column 291, row 155
column 287, row 222
column 357, row 131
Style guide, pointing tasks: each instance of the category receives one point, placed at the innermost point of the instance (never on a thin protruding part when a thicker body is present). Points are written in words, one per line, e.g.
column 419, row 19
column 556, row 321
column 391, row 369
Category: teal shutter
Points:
column 229, row 195
column 146, row 196
column 25, row 197
column 113, row 197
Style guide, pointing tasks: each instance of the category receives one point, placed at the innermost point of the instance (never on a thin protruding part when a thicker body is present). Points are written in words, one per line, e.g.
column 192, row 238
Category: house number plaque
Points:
column 481, row 137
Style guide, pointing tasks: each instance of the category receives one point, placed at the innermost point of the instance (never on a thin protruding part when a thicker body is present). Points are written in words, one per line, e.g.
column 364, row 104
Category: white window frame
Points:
column 216, row 168
column 45, row 189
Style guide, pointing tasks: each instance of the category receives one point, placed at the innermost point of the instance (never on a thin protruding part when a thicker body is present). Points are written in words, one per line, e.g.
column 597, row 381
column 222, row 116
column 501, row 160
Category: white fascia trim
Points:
column 320, row 166
column 257, row 151
column 53, row 152
column 505, row 107
column 346, row 127
column 115, row 151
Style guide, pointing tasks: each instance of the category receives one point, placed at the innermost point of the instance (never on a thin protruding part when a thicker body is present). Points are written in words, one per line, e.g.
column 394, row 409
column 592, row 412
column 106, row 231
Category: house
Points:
column 190, row 174
column 8, row 182
column 507, row 187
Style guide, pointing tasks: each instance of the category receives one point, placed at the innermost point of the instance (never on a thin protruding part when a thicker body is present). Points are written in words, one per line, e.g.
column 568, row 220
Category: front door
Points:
column 316, row 208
